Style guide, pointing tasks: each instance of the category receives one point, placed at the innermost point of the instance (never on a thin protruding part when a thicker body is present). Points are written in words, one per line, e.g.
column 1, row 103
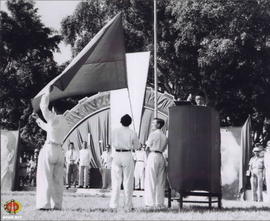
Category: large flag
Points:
column 100, row 66
column 246, row 146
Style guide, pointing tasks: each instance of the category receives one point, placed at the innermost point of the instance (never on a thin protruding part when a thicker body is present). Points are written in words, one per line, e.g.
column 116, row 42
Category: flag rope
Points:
column 131, row 110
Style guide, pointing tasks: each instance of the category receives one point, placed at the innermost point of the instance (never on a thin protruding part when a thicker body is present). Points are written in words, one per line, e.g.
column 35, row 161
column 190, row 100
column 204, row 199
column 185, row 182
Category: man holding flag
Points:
column 100, row 66
column 50, row 170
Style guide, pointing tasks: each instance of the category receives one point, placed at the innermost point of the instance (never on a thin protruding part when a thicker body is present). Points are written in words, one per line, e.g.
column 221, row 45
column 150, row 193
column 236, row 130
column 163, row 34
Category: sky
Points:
column 52, row 12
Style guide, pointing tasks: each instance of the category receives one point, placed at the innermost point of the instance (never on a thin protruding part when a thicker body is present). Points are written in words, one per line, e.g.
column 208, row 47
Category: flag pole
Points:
column 155, row 58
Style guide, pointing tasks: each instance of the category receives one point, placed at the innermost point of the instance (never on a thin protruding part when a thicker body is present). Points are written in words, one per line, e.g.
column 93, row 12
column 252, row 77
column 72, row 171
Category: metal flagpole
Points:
column 155, row 58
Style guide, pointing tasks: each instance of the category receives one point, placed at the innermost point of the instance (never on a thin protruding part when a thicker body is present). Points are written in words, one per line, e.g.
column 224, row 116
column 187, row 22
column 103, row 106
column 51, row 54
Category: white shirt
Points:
column 85, row 157
column 124, row 138
column 256, row 163
column 72, row 156
column 157, row 141
column 140, row 156
column 56, row 126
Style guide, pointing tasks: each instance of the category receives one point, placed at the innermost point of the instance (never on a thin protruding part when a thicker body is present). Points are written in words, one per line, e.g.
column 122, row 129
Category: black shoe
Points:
column 56, row 208
column 44, row 209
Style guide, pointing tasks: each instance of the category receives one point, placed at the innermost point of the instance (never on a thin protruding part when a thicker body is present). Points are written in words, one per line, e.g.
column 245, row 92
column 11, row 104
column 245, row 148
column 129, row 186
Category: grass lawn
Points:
column 90, row 207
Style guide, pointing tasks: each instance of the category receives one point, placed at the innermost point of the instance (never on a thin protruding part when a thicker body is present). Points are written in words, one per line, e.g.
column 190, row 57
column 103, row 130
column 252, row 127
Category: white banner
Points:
column 137, row 71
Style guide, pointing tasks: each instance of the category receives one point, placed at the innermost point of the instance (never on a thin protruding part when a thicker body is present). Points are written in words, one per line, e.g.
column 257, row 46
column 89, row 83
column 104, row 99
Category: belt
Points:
column 139, row 161
column 156, row 151
column 122, row 150
column 53, row 143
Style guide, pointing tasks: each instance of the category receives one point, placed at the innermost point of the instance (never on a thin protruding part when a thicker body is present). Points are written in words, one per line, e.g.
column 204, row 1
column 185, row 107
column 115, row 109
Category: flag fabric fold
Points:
column 100, row 66
column 246, row 150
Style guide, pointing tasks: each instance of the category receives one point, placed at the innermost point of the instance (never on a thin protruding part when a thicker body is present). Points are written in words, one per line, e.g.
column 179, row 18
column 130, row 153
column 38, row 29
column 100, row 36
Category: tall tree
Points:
column 26, row 65
column 220, row 47
column 231, row 40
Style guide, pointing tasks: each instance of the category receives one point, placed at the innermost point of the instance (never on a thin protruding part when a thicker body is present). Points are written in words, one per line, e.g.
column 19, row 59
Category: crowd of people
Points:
column 123, row 162
column 27, row 169
column 79, row 176
column 51, row 161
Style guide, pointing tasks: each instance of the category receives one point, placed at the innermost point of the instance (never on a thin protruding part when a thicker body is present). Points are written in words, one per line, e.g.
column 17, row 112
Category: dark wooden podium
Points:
column 194, row 157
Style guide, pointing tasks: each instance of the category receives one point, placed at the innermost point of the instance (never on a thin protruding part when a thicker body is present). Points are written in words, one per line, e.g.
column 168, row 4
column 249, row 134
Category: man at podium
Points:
column 199, row 98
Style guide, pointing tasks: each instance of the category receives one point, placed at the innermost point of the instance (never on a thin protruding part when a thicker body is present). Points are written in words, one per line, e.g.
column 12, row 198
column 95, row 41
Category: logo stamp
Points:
column 12, row 207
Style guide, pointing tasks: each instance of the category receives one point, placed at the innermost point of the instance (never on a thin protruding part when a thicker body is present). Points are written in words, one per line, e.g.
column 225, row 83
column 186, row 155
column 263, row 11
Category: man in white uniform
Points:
column 140, row 161
column 84, row 166
column 155, row 176
column 72, row 158
column 256, row 167
column 267, row 169
column 124, row 140
column 50, row 169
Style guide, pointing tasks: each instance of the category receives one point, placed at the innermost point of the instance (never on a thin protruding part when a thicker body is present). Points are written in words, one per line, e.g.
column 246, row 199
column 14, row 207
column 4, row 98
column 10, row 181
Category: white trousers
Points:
column 155, row 179
column 256, row 181
column 84, row 176
column 139, row 175
column 122, row 166
column 50, row 173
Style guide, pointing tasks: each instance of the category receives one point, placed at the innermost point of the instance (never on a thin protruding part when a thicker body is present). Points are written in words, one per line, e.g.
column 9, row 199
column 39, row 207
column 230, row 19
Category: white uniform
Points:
column 155, row 176
column 123, row 138
column 50, row 169
column 256, row 165
column 140, row 159
column 267, row 171
column 84, row 166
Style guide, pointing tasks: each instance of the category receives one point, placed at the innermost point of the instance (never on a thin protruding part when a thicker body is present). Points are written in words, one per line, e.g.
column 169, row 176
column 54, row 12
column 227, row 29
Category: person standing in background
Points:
column 256, row 167
column 155, row 176
column 72, row 158
column 124, row 140
column 32, row 166
column 139, row 173
column 84, row 166
column 106, row 166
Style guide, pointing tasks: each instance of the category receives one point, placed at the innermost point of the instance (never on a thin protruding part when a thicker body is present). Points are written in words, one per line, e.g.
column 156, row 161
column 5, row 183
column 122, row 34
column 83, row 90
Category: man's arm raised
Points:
column 44, row 105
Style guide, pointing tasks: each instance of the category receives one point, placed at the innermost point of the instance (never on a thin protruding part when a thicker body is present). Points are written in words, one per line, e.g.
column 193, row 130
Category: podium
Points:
column 194, row 157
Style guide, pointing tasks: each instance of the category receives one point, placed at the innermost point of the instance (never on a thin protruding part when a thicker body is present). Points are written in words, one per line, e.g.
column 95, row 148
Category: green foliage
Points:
column 26, row 65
